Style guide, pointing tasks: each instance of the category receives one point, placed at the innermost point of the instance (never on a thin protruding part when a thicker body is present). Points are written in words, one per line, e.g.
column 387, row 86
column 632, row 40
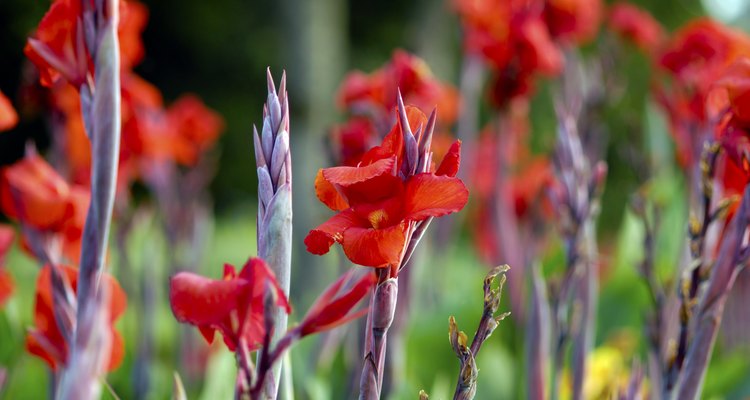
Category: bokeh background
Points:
column 219, row 50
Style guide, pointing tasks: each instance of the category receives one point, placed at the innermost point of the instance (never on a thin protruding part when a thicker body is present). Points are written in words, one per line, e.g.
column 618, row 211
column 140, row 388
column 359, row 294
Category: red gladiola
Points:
column 234, row 305
column 637, row 26
column 47, row 341
column 8, row 115
column 379, row 204
column 6, row 282
column 330, row 310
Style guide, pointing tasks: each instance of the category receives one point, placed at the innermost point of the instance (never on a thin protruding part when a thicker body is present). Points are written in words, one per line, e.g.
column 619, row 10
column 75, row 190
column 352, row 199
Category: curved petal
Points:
column 429, row 195
column 117, row 352
column 202, row 301
column 8, row 115
column 451, row 161
column 347, row 176
column 320, row 239
column 375, row 247
column 328, row 194
column 257, row 271
column 328, row 313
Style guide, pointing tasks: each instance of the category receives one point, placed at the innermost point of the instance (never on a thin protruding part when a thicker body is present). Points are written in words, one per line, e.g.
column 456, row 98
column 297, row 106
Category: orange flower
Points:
column 234, row 305
column 47, row 341
column 8, row 115
column 636, row 25
column 381, row 199
column 6, row 281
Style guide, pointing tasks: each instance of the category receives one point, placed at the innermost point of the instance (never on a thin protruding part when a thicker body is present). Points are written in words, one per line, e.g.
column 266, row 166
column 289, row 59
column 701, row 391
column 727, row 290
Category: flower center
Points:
column 377, row 218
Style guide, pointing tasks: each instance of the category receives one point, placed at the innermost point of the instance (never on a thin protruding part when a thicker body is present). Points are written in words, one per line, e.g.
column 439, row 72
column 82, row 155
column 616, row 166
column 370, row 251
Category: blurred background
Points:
column 219, row 50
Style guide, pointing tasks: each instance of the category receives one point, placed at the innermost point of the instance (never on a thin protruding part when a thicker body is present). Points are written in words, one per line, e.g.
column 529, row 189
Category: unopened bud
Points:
column 385, row 304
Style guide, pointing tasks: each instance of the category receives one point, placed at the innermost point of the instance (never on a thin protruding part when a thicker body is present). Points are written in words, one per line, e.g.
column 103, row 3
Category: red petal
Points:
column 202, row 301
column 375, row 247
column 347, row 176
column 328, row 194
column 451, row 161
column 257, row 271
column 429, row 195
column 326, row 314
column 117, row 351
column 320, row 239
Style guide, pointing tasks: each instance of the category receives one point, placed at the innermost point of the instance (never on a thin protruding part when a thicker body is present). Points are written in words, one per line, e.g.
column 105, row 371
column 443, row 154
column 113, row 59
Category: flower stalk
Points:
column 274, row 234
column 100, row 104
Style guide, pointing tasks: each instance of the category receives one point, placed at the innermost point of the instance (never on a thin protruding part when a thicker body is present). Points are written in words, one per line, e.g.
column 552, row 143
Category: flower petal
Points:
column 347, row 176
column 429, row 195
column 451, row 161
column 202, row 301
column 326, row 313
column 328, row 194
column 320, row 239
column 375, row 247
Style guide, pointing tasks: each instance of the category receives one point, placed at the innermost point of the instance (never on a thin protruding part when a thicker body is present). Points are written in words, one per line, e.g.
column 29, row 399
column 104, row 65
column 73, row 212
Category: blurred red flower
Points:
column 573, row 21
column 8, row 115
column 513, row 39
column 695, row 57
column 637, row 26
column 6, row 281
column 33, row 193
column 47, row 341
column 407, row 73
column 58, row 47
column 378, row 202
column 233, row 305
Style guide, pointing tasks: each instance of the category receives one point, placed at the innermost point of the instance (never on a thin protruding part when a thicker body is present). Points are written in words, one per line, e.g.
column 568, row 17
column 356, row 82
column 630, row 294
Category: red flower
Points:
column 8, row 115
column 636, row 25
column 379, row 203
column 575, row 21
column 352, row 140
column 194, row 128
column 6, row 282
column 695, row 57
column 404, row 73
column 234, row 305
column 330, row 311
column 514, row 40
column 34, row 194
column 47, row 341
column 58, row 47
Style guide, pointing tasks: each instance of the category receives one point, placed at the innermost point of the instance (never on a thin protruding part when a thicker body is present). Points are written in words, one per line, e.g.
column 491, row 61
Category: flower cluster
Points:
column 521, row 39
